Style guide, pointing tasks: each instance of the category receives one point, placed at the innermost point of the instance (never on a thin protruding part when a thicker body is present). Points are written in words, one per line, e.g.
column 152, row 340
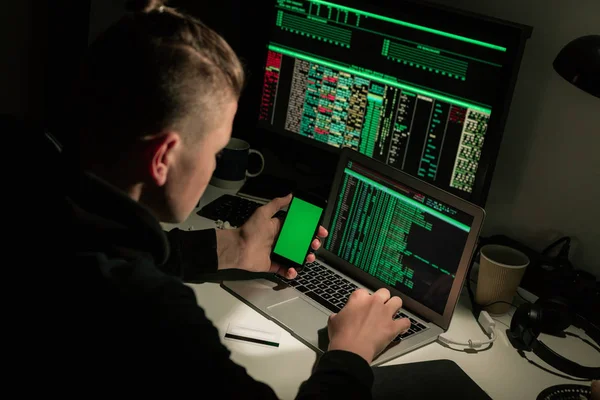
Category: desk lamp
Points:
column 579, row 63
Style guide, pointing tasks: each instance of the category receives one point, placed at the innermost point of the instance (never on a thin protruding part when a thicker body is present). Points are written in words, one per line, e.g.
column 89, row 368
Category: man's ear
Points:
column 162, row 152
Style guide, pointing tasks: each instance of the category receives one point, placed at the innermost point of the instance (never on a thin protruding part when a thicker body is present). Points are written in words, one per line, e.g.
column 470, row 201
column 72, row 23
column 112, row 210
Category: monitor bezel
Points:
column 497, row 125
column 411, row 304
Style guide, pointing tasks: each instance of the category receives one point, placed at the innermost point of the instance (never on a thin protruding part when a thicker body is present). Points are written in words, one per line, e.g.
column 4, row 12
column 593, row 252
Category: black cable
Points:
column 584, row 340
column 562, row 256
column 503, row 323
column 550, row 371
column 565, row 239
column 523, row 298
column 500, row 302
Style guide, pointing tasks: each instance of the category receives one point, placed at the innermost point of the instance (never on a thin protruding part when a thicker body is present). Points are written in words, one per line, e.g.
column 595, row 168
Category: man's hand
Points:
column 595, row 390
column 249, row 247
column 365, row 326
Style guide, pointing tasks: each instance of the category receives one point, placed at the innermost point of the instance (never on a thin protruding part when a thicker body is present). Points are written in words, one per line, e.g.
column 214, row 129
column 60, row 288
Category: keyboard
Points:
column 332, row 291
column 236, row 210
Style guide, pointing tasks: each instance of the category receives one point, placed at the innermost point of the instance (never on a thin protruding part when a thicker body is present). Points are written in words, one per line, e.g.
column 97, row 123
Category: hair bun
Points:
column 144, row 6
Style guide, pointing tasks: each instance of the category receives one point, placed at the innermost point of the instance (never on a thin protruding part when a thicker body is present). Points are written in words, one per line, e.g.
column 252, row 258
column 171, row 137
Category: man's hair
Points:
column 155, row 69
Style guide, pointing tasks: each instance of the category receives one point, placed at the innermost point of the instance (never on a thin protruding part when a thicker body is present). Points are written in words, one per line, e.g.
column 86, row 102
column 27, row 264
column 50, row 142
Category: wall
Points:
column 224, row 19
column 547, row 179
column 18, row 59
column 103, row 13
column 41, row 45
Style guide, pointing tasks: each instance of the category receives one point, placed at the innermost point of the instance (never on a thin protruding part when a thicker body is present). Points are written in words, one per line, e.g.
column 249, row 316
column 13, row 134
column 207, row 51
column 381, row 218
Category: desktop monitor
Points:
column 423, row 88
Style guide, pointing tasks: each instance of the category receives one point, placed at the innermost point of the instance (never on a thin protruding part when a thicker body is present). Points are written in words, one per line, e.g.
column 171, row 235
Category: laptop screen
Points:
column 402, row 237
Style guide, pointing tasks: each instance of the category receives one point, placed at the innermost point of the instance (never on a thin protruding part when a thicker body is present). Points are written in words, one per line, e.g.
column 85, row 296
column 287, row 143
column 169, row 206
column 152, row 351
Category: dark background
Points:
column 546, row 181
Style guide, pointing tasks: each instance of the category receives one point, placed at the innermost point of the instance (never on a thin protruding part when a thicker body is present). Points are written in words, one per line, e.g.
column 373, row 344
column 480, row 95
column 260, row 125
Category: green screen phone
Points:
column 298, row 230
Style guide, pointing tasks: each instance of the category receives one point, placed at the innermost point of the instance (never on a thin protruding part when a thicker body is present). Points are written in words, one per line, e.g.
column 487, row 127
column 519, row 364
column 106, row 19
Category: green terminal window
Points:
column 416, row 88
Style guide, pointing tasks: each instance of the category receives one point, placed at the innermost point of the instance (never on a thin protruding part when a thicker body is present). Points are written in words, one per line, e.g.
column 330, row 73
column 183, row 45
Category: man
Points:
column 156, row 103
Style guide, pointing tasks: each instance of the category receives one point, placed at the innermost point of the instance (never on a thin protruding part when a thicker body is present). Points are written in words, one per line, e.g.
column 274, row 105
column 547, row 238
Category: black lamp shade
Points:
column 579, row 63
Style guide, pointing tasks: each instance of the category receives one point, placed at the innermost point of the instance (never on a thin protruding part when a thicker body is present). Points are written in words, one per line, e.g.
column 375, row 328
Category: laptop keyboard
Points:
column 332, row 291
column 236, row 210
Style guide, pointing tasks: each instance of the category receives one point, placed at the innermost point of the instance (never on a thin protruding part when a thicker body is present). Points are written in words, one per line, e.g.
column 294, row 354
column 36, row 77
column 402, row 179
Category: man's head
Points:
column 156, row 104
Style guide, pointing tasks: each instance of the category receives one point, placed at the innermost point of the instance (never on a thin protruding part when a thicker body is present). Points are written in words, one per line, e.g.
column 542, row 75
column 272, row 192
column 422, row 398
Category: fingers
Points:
column 595, row 390
column 310, row 258
column 275, row 268
column 276, row 224
column 401, row 325
column 288, row 273
column 315, row 244
column 275, row 205
column 331, row 317
column 394, row 304
column 383, row 294
column 358, row 294
column 291, row 273
column 322, row 233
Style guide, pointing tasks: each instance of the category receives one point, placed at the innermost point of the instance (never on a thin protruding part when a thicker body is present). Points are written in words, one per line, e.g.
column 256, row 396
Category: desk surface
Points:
column 500, row 371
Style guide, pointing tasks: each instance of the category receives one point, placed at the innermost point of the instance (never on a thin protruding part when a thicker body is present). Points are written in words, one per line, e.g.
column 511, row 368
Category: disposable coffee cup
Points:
column 501, row 269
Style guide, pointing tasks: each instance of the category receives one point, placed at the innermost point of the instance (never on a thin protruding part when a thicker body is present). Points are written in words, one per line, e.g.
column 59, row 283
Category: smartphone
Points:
column 299, row 229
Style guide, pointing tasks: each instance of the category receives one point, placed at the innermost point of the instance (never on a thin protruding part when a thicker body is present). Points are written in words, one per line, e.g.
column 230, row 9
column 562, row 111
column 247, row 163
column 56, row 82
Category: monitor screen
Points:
column 412, row 86
column 406, row 239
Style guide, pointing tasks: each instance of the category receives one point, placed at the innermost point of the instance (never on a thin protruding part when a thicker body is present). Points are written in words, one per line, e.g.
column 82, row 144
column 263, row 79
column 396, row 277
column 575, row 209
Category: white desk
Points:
column 500, row 371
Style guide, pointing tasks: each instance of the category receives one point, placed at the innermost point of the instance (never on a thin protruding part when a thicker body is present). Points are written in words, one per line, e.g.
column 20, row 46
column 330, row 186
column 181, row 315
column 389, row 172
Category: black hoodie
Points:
column 117, row 315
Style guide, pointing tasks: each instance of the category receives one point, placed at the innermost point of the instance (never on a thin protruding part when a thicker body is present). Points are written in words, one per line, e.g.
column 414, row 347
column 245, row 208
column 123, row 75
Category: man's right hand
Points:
column 365, row 325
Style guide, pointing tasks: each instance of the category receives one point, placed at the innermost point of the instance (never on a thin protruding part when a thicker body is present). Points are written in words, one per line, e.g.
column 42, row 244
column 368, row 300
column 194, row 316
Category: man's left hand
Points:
column 249, row 247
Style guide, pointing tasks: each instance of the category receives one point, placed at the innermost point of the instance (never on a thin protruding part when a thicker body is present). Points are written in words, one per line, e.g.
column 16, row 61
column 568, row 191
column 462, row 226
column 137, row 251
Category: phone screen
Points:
column 298, row 230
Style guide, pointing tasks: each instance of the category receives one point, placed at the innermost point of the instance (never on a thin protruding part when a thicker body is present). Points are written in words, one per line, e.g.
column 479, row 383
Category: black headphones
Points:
column 551, row 316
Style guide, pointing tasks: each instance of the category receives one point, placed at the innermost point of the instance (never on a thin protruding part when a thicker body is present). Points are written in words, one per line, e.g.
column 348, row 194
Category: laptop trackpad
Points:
column 300, row 317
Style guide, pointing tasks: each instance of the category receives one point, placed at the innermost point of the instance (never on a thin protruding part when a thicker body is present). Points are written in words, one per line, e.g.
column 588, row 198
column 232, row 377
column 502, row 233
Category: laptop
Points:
column 387, row 229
